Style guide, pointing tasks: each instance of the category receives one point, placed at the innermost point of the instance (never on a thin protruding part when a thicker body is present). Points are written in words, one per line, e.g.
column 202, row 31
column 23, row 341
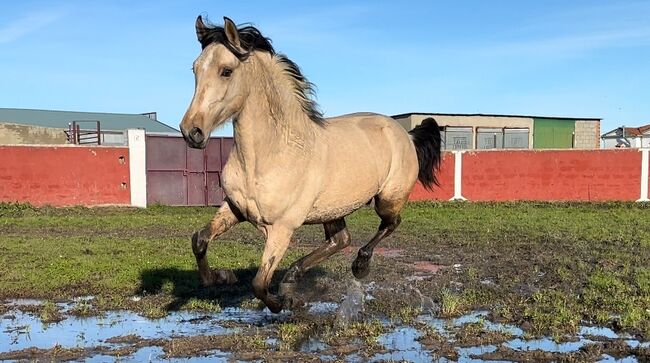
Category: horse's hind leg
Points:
column 225, row 218
column 338, row 238
column 388, row 211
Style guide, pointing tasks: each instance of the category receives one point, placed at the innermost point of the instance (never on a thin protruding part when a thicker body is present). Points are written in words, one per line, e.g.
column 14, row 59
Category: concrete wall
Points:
column 548, row 175
column 474, row 122
column 11, row 133
column 446, row 179
column 587, row 135
column 65, row 175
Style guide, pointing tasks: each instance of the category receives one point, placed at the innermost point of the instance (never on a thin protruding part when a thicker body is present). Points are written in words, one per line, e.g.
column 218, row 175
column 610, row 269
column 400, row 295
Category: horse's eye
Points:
column 226, row 72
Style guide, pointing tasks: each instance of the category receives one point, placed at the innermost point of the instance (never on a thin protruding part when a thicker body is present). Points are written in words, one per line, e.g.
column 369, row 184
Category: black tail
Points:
column 426, row 138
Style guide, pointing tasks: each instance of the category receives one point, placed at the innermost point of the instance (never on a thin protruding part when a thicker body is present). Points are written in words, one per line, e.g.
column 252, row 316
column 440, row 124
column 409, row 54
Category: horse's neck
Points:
column 272, row 124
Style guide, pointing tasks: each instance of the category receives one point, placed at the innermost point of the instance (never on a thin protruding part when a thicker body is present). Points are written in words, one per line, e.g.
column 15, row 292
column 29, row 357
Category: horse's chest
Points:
column 257, row 198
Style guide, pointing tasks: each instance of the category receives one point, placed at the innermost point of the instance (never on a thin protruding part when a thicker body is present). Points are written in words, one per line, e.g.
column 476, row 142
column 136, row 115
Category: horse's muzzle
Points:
column 195, row 138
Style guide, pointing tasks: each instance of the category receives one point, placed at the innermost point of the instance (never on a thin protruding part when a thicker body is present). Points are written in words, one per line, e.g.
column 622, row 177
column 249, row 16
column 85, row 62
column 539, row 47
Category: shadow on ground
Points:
column 184, row 285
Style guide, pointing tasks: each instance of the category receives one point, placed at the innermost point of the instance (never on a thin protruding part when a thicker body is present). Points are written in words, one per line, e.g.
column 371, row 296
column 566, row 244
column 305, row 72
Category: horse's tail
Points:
column 426, row 138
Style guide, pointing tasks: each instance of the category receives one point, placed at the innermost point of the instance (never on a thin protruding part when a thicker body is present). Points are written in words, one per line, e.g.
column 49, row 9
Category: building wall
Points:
column 16, row 134
column 587, row 135
column 65, row 175
column 635, row 142
column 587, row 132
column 474, row 122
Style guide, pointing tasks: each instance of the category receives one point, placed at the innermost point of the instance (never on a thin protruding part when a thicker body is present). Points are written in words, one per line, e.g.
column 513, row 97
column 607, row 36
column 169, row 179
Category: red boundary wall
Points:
column 65, row 175
column 445, row 178
column 74, row 175
column 544, row 175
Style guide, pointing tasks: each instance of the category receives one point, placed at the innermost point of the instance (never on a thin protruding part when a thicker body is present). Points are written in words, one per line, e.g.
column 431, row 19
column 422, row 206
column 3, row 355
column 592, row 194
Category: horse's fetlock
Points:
column 346, row 239
column 260, row 289
column 364, row 255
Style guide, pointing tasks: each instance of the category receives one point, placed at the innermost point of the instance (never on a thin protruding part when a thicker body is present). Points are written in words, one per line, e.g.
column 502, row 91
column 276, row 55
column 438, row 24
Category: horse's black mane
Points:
column 252, row 40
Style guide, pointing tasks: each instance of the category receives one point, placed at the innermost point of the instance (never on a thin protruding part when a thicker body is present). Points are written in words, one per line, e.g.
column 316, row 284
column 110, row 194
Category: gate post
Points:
column 458, row 175
column 137, row 167
column 644, row 175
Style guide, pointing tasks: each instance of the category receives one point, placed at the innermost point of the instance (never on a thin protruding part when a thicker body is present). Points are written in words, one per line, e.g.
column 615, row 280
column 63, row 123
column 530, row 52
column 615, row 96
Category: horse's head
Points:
column 220, row 87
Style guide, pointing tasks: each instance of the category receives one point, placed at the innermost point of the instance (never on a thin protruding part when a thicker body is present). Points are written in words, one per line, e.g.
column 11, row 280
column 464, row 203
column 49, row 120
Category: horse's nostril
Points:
column 196, row 135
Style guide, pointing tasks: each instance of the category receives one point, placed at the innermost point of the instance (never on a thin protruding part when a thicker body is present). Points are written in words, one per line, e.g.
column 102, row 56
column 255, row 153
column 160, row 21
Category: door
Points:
column 553, row 133
column 180, row 175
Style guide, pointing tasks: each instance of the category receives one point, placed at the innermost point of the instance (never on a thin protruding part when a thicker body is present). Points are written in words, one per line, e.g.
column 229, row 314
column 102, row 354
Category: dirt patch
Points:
column 438, row 344
column 54, row 354
column 471, row 335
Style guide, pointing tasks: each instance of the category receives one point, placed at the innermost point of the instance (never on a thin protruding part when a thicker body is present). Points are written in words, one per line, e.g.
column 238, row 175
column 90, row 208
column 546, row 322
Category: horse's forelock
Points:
column 251, row 40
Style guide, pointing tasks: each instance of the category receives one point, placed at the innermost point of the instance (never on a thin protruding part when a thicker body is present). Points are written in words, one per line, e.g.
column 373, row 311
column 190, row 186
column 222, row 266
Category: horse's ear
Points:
column 232, row 34
column 201, row 29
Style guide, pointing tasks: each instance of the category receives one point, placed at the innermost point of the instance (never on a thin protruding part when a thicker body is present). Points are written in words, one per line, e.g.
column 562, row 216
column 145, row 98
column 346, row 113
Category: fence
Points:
column 99, row 175
column 548, row 175
column 65, row 175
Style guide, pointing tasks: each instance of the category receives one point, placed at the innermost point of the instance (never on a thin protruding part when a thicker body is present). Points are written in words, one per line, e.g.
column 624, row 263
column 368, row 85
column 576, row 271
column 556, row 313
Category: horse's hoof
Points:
column 199, row 245
column 361, row 267
column 274, row 304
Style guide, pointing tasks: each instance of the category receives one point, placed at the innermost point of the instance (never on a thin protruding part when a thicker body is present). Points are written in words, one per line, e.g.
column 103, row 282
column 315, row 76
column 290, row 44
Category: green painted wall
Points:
column 553, row 133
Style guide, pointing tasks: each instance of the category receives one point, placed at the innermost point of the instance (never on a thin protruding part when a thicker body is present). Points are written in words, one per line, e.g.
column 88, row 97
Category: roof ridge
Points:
column 113, row 120
column 45, row 110
column 492, row 115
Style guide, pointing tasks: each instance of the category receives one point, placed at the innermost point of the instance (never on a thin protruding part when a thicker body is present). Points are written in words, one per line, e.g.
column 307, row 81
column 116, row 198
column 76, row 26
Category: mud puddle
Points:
column 134, row 338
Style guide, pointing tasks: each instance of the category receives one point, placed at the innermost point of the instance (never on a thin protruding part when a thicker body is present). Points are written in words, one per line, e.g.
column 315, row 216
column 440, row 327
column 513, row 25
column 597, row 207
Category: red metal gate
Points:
column 180, row 175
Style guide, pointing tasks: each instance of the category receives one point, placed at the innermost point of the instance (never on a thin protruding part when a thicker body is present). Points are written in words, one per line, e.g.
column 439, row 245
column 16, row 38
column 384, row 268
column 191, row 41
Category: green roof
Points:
column 60, row 119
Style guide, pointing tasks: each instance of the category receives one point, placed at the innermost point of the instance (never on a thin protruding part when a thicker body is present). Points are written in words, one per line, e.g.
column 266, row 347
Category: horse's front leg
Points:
column 226, row 218
column 277, row 241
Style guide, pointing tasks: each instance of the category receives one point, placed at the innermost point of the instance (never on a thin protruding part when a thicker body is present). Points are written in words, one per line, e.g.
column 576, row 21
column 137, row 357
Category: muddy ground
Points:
column 457, row 281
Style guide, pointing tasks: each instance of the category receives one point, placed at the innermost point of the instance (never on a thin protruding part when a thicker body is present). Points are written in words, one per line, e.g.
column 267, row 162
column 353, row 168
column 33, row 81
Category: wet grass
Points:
column 544, row 266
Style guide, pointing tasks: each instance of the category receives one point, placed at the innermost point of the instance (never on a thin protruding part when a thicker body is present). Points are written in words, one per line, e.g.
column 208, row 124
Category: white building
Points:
column 636, row 137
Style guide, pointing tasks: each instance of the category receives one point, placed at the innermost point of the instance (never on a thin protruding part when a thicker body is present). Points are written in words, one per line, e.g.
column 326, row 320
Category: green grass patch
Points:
column 547, row 266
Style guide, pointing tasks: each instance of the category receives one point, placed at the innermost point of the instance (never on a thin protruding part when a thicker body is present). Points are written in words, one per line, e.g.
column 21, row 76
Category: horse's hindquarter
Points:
column 365, row 154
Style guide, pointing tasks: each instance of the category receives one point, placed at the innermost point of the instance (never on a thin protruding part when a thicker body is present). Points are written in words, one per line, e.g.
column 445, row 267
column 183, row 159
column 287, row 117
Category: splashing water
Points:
column 427, row 305
column 352, row 305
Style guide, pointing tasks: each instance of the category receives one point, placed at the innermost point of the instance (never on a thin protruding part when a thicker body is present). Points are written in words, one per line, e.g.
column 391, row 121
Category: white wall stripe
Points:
column 644, row 175
column 458, row 175
column 137, row 167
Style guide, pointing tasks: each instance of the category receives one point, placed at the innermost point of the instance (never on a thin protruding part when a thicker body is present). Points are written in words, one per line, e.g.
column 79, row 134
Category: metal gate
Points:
column 180, row 175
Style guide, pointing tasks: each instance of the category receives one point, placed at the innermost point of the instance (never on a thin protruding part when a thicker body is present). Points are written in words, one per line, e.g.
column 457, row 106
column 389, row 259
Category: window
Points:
column 458, row 138
column 515, row 138
column 489, row 138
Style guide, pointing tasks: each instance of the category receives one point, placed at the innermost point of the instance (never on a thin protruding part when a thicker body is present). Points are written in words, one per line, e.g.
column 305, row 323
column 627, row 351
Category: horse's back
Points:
column 365, row 153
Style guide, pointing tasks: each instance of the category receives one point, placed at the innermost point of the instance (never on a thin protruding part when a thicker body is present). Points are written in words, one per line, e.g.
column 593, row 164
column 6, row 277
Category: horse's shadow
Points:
column 184, row 285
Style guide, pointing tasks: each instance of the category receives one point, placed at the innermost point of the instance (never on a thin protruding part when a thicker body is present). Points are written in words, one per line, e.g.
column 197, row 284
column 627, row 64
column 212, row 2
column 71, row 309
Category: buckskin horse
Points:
column 289, row 166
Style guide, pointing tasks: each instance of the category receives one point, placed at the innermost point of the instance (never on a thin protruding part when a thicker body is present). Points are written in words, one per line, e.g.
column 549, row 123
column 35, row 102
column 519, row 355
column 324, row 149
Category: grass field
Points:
column 546, row 267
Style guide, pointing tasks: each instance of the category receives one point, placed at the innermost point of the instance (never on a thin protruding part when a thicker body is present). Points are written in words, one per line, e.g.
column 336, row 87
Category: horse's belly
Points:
column 322, row 215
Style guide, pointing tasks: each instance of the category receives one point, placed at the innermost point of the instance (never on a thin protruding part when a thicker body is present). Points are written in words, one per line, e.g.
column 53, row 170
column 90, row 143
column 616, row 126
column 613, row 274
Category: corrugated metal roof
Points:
column 402, row 115
column 60, row 119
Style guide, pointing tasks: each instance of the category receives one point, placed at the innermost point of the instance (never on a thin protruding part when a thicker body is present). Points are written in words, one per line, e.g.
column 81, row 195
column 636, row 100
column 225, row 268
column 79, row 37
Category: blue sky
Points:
column 550, row 58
